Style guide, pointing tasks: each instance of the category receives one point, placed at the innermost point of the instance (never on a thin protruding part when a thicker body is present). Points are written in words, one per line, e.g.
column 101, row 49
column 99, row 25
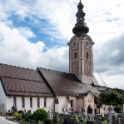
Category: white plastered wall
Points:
column 2, row 99
column 49, row 103
column 64, row 103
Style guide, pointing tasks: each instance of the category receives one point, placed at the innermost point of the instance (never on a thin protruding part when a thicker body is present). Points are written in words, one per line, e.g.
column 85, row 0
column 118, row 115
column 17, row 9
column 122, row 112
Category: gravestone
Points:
column 49, row 114
column 98, row 119
column 120, row 119
column 106, row 116
column 112, row 115
column 69, row 119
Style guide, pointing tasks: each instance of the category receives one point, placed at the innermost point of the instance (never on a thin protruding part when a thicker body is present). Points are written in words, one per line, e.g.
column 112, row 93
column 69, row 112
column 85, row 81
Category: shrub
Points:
column 14, row 109
column 28, row 117
column 77, row 119
column 18, row 116
column 106, row 122
column 40, row 114
column 20, row 112
column 47, row 121
column 117, row 109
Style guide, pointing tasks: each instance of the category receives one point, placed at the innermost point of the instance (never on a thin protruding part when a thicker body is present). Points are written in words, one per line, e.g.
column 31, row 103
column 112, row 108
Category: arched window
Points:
column 89, row 109
column 87, row 55
column 75, row 55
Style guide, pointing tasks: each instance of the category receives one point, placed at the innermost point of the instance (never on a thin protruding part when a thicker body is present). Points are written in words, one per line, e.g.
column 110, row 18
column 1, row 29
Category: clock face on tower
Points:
column 87, row 43
column 74, row 44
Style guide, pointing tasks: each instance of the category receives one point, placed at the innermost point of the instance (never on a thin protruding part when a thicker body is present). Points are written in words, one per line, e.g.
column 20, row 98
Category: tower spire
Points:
column 80, row 27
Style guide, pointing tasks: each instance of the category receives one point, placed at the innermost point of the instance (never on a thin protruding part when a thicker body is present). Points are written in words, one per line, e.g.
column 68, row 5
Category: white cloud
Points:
column 17, row 50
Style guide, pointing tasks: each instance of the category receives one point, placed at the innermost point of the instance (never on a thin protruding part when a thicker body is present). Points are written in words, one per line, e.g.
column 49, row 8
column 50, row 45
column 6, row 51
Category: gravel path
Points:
column 3, row 121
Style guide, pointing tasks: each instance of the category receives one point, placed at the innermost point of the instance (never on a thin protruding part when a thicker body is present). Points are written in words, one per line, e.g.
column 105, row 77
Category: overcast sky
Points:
column 35, row 33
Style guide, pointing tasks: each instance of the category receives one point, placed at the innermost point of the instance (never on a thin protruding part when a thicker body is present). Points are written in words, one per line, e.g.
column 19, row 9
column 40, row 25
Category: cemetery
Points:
column 41, row 116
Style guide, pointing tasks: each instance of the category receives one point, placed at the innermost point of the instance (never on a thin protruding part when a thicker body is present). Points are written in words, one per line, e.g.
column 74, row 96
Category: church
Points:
column 28, row 89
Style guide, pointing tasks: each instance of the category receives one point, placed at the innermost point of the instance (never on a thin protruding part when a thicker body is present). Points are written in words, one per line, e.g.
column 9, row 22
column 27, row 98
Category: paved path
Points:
column 3, row 121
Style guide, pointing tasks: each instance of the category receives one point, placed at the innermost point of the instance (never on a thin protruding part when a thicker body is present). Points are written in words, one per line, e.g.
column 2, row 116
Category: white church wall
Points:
column 75, row 103
column 2, row 99
column 49, row 103
column 64, row 103
column 9, row 102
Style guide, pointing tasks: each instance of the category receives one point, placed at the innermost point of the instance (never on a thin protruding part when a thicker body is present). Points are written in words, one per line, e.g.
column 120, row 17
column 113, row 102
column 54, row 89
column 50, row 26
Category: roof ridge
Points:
column 53, row 70
column 17, row 66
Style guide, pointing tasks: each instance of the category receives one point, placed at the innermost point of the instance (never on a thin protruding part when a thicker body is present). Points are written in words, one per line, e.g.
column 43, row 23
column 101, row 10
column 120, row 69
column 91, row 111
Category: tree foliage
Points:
column 40, row 114
column 111, row 98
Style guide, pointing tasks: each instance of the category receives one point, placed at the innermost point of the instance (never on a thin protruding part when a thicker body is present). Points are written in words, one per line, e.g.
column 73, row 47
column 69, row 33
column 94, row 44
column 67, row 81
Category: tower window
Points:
column 75, row 55
column 75, row 67
column 87, row 67
column 87, row 55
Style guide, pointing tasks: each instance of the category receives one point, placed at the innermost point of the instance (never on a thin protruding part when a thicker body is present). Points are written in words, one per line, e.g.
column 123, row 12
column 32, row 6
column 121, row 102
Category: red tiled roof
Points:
column 66, row 84
column 23, row 81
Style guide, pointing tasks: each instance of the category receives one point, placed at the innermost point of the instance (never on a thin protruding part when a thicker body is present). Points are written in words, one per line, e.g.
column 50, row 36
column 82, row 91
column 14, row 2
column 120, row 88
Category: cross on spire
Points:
column 80, row 0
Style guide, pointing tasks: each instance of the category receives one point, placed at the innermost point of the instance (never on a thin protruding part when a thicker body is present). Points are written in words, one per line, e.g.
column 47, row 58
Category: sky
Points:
column 35, row 33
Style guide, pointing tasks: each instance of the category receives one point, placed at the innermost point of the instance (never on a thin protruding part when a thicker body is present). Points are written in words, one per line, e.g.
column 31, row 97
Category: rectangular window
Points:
column 30, row 102
column 45, row 102
column 14, row 101
column 38, row 102
column 23, row 102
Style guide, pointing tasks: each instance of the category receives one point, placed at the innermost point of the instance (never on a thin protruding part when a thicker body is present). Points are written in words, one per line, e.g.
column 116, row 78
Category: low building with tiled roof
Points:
column 17, row 84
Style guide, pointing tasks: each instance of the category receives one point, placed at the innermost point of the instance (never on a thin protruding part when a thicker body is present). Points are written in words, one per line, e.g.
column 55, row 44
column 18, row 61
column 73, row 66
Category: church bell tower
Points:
column 81, row 49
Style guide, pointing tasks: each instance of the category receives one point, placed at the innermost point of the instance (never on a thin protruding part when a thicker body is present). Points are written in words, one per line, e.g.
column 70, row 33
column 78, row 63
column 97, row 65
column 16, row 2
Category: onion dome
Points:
column 80, row 27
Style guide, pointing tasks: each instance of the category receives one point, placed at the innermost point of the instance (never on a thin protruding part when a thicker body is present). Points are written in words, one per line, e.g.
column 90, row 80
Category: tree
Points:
column 40, row 114
column 111, row 98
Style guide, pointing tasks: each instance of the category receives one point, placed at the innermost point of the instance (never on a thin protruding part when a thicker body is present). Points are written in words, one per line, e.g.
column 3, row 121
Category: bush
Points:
column 106, row 122
column 14, row 109
column 20, row 112
column 47, row 121
column 28, row 117
column 117, row 109
column 18, row 116
column 40, row 114
column 77, row 119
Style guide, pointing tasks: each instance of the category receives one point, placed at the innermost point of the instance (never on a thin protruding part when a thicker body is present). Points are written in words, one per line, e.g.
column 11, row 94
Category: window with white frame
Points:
column 23, row 102
column 30, row 102
column 38, row 102
column 14, row 101
column 45, row 102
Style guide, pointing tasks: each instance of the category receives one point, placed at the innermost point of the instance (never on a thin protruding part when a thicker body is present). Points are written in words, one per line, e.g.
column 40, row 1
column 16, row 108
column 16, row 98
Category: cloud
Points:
column 110, row 55
column 17, row 50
